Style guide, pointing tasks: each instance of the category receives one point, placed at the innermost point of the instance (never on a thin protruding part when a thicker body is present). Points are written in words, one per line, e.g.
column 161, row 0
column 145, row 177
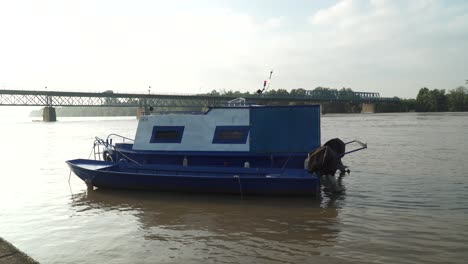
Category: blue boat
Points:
column 243, row 149
column 244, row 181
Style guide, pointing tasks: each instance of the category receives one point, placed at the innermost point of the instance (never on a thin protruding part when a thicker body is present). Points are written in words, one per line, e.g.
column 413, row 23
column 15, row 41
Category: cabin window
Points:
column 231, row 135
column 167, row 134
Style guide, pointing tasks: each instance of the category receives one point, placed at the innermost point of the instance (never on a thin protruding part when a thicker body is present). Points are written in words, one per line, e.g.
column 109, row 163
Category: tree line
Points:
column 436, row 100
column 332, row 106
column 455, row 100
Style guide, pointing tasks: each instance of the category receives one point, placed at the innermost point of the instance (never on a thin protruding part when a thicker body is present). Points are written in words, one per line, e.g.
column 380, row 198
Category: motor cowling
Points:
column 106, row 156
column 337, row 145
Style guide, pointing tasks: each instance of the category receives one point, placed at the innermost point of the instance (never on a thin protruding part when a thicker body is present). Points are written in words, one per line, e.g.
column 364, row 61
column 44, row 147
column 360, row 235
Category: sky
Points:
column 186, row 47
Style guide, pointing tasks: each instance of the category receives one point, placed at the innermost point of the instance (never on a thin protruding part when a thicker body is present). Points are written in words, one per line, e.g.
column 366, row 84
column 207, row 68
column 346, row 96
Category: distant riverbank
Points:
column 435, row 100
column 89, row 111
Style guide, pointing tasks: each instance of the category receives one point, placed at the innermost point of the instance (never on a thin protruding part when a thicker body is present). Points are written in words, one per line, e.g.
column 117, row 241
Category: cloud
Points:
column 333, row 14
column 181, row 51
column 391, row 47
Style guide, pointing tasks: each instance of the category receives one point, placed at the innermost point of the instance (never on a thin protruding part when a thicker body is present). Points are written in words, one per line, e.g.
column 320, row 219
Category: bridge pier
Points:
column 140, row 112
column 48, row 114
column 368, row 108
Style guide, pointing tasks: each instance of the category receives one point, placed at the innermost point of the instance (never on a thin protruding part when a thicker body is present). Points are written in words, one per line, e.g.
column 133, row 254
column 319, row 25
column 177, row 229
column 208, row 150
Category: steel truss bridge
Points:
column 110, row 99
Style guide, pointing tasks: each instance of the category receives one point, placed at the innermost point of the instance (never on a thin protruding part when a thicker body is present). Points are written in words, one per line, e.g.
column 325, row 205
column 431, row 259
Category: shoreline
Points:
column 9, row 254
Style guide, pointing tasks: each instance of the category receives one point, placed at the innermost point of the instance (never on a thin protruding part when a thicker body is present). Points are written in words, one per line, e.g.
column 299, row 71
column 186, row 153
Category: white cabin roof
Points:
column 197, row 130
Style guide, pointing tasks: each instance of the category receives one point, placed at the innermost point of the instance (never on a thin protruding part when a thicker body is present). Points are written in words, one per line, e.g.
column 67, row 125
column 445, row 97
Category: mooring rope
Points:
column 284, row 165
column 128, row 157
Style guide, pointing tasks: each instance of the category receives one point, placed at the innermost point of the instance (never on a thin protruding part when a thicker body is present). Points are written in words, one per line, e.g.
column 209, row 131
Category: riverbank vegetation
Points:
column 435, row 100
column 455, row 100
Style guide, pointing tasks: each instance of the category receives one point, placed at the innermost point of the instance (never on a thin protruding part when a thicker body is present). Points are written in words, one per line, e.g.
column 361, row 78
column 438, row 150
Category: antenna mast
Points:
column 266, row 84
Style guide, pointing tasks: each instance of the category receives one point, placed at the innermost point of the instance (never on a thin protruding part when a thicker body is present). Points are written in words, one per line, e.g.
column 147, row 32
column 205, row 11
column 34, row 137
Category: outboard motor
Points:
column 339, row 147
column 323, row 160
column 327, row 159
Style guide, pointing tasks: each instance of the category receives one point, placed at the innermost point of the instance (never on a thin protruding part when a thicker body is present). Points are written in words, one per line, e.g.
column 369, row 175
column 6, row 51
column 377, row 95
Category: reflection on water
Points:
column 224, row 226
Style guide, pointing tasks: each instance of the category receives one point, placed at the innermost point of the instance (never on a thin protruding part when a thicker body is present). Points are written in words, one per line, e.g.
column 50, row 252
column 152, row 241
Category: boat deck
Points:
column 188, row 171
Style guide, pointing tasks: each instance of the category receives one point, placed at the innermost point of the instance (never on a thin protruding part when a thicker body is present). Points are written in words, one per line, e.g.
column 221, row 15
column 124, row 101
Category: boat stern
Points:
column 87, row 169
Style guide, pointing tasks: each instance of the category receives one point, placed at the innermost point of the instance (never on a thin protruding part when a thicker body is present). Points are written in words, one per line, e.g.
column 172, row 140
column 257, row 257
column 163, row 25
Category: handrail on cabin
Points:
column 119, row 136
column 108, row 145
column 239, row 101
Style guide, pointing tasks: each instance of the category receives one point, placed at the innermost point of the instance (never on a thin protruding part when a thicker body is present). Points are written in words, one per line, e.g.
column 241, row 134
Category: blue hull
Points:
column 264, row 181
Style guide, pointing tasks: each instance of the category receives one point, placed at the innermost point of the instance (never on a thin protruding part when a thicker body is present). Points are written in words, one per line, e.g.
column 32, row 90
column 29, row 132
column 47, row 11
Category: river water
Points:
column 406, row 201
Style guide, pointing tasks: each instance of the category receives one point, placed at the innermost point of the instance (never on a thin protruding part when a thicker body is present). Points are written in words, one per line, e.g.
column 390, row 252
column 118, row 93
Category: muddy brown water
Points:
column 406, row 201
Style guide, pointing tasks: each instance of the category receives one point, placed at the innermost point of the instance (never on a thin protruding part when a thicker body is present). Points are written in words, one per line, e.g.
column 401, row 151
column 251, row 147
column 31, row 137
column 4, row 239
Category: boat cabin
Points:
column 269, row 136
column 255, row 129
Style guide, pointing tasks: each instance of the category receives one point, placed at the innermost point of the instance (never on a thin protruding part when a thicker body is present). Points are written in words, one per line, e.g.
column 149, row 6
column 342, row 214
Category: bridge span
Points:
column 51, row 99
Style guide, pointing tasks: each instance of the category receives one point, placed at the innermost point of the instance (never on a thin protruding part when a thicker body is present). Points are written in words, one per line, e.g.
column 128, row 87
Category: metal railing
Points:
column 103, row 149
column 57, row 98
column 237, row 102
